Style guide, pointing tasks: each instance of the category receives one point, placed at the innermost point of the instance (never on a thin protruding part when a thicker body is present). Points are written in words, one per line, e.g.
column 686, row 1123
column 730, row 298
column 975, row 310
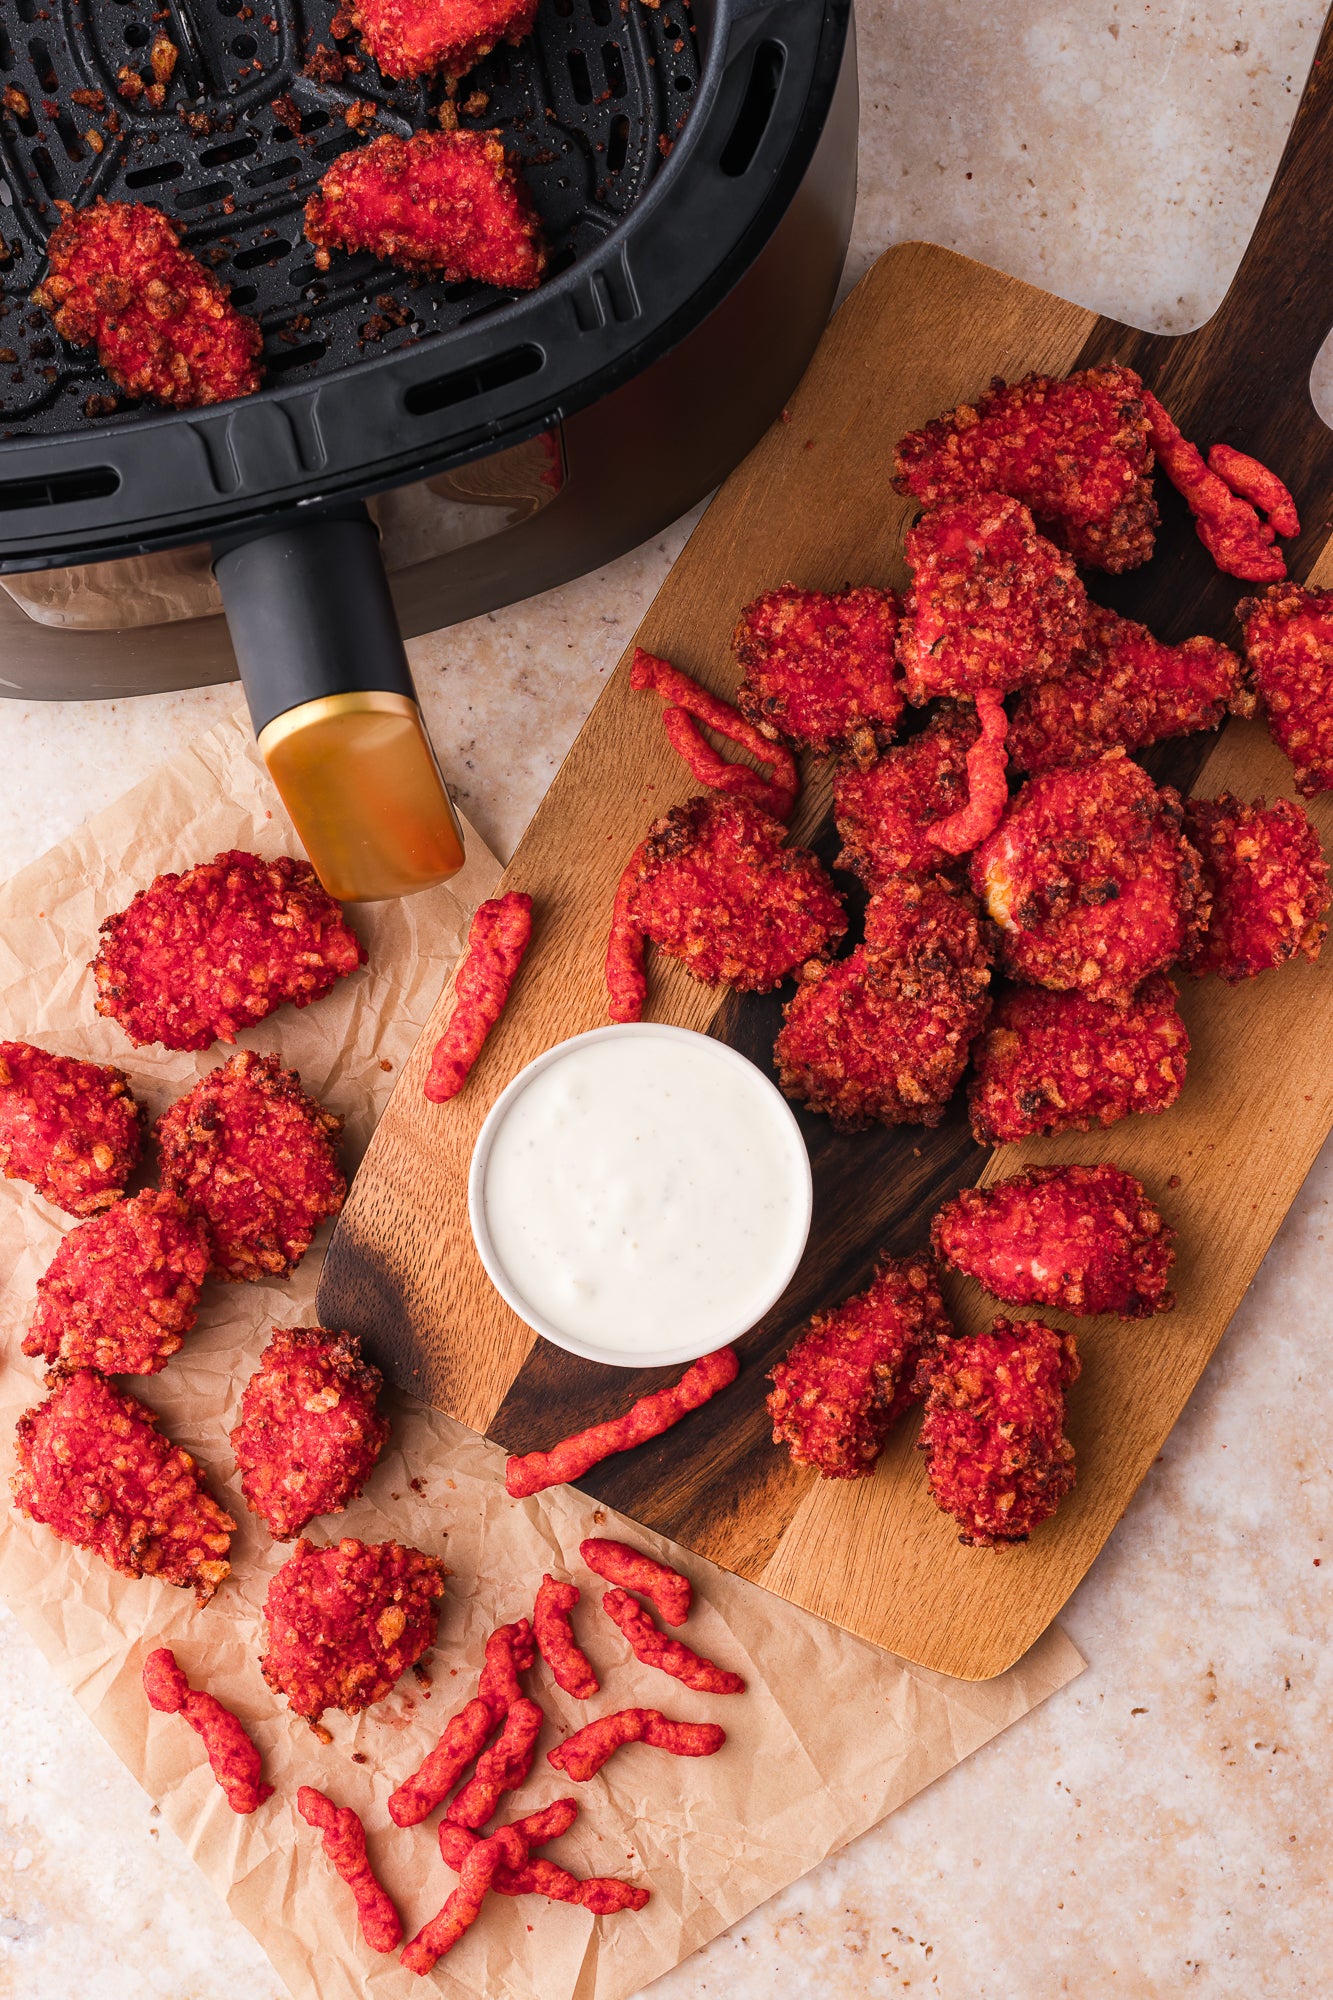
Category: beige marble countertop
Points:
column 1163, row 1825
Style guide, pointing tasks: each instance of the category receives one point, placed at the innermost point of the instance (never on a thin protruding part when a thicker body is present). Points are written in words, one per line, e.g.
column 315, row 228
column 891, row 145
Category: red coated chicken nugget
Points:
column 69, row 1128
column 1057, row 1062
column 885, row 810
column 852, row 1372
column 717, row 888
column 924, row 937
column 122, row 1290
column 451, row 203
column 1269, row 883
column 1091, row 880
column 997, row 1457
column 195, row 958
column 818, row 667
column 445, row 37
column 252, row 1154
column 163, row 324
column 1125, row 688
column 1076, row 451
column 309, row 1432
column 1289, row 648
column 345, row 1622
column 992, row 603
column 1083, row 1239
column 94, row 1468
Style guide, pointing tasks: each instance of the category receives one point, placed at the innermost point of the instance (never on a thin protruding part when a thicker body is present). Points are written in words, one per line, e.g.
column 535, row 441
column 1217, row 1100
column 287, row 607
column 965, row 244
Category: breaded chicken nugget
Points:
column 69, row 1128
column 95, row 1469
column 885, row 810
column 1289, row 650
column 818, row 667
column 252, row 1154
column 122, row 1290
column 925, row 937
column 309, row 1431
column 1269, row 883
column 345, row 1622
column 446, row 37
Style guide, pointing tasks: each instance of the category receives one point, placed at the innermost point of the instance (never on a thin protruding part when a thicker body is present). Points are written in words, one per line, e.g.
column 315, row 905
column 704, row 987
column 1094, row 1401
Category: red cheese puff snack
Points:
column 1227, row 525
column 509, row 1653
column 648, row 1418
column 505, row 1848
column 655, row 1649
column 463, row 1740
column 626, row 982
column 775, row 795
column 497, row 938
column 502, row 1768
column 1256, row 483
column 345, row 1845
column 987, row 792
column 232, row 1756
column 632, row 1570
column 601, row 1895
column 583, row 1754
column 556, row 1642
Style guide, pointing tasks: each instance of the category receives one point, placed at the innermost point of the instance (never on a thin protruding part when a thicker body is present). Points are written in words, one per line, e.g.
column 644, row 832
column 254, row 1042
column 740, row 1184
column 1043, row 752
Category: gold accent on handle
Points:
column 359, row 778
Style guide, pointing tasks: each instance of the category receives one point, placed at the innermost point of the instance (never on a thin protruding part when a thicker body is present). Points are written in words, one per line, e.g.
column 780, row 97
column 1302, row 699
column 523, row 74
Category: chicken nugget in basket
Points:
column 444, row 37
column 252, row 1154
column 818, row 667
column 195, row 958
column 95, row 1469
column 345, row 1622
column 70, row 1128
column 122, row 1290
column 1289, row 648
column 1269, row 883
column 309, row 1431
column 885, row 810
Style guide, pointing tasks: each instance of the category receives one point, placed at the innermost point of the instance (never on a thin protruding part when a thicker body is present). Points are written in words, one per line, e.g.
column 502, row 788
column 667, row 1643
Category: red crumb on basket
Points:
column 648, row 1418
column 583, row 1754
column 654, row 1648
column 887, row 812
column 987, row 792
column 1269, row 883
column 69, row 1128
column 632, row 1570
column 345, row 1622
column 424, row 37
column 554, row 1634
column 1227, row 525
column 818, row 666
column 776, row 795
column 1254, row 481
column 1289, row 647
column 309, row 1431
column 509, row 1652
column 626, row 982
column 501, row 1768
column 232, row 1756
column 497, row 938
column 122, row 1290
column 345, row 1844
column 506, row 1848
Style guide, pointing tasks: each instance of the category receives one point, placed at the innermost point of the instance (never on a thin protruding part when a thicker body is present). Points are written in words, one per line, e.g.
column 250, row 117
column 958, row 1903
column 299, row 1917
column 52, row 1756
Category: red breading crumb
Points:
column 122, row 1290
column 992, row 603
column 925, row 938
column 450, row 203
column 885, row 811
column 1075, row 451
column 197, row 957
column 1057, row 1062
column 252, row 1154
column 818, row 666
column 69, row 1128
column 1289, row 648
column 1269, row 883
column 1126, row 688
column 997, row 1456
column 163, row 324
column 1091, row 880
column 1082, row 1239
column 583, row 1754
column 94, row 1468
column 309, row 1432
column 422, row 37
column 345, row 1622
column 853, row 1048
column 851, row 1374
column 232, row 1756
column 632, row 1570
column 717, row 889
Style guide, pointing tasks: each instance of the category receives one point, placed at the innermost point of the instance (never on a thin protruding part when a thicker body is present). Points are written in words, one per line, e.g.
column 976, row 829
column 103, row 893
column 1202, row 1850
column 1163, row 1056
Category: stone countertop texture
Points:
column 1163, row 1825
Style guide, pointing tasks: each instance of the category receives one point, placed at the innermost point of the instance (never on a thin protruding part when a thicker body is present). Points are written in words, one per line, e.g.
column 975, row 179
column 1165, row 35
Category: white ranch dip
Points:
column 646, row 1190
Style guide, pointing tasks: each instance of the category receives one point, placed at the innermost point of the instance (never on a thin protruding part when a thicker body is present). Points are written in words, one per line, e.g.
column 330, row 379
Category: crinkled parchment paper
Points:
column 831, row 1736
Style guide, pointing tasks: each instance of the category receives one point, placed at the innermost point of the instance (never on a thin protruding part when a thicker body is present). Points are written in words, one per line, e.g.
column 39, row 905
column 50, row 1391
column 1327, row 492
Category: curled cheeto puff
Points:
column 509, row 1652
column 1254, row 482
column 987, row 792
column 562, row 1653
column 506, row 1848
column 1227, row 525
column 582, row 1755
column 648, row 1418
column 632, row 1570
column 710, row 768
column 654, row 1648
column 777, row 794
column 601, row 1895
column 345, row 1844
column 501, row 1768
column 626, row 981
column 497, row 938
column 232, row 1757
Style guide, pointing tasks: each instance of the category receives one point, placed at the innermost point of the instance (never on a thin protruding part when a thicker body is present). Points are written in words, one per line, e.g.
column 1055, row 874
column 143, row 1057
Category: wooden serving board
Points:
column 812, row 504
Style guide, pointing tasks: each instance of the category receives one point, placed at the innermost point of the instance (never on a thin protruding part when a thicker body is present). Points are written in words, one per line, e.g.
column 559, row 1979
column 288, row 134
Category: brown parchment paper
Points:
column 831, row 1735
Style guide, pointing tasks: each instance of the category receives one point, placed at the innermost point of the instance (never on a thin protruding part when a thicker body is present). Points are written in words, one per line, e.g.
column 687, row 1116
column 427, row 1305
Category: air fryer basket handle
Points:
column 325, row 673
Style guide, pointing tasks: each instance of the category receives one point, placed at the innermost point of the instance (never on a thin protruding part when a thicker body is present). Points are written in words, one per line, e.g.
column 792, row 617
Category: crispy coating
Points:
column 163, row 324
column 309, row 1431
column 1269, row 882
column 1091, row 880
column 692, row 704
column 718, row 890
column 69, row 1128
column 345, row 1622
column 1083, row 1239
column 887, row 811
column 449, row 203
column 1075, row 451
column 853, row 1048
column 1057, row 1062
column 1289, row 648
column 1125, row 688
column 501, row 1767
column 252, row 1154
column 122, row 1290
column 852, row 1372
column 345, row 1846
column 583, row 1754
column 818, row 666
column 996, row 1454
column 94, row 1468
column 232, row 1756
column 655, row 1648
column 1225, row 522
column 498, row 937
column 926, row 939
column 197, row 957
column 992, row 604
column 446, row 37
column 647, row 1418
column 570, row 1666
column 632, row 1570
